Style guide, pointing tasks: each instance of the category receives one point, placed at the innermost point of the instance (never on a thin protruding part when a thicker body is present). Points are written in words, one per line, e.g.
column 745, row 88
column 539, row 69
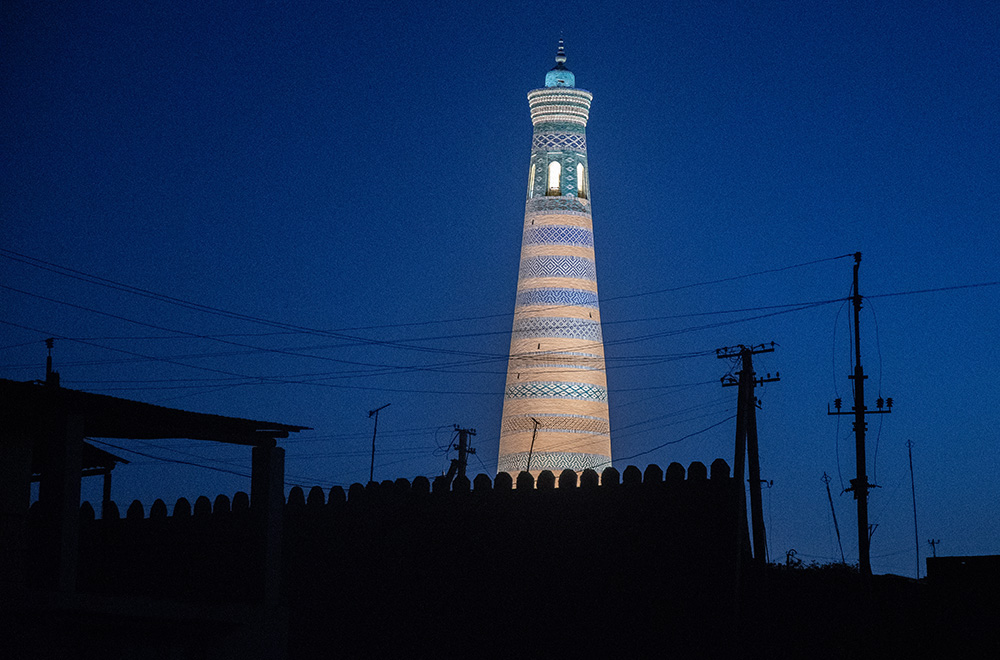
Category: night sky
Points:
column 331, row 194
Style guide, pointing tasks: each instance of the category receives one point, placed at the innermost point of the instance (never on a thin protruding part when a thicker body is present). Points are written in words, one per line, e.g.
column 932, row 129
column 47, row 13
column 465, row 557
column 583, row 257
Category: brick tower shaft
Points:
column 555, row 413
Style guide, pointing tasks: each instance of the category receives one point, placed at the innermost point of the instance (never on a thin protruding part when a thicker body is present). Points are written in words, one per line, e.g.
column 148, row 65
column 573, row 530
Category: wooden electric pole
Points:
column 459, row 464
column 913, row 492
column 746, row 438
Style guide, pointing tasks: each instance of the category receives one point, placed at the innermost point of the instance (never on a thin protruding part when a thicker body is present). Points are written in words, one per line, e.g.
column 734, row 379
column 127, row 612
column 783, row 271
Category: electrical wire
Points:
column 101, row 281
column 935, row 290
column 836, row 390
column 678, row 440
column 169, row 460
column 260, row 379
column 878, row 436
column 385, row 369
column 726, row 279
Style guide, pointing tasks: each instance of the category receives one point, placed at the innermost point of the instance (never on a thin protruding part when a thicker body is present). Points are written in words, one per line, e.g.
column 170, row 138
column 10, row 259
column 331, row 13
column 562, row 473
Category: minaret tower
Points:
column 555, row 410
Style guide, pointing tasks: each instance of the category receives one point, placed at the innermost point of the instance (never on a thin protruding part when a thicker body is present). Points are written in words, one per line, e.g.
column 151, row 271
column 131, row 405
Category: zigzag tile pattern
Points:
column 564, row 423
column 557, row 461
column 555, row 390
column 558, row 235
column 560, row 141
column 566, row 328
column 570, row 297
column 578, row 268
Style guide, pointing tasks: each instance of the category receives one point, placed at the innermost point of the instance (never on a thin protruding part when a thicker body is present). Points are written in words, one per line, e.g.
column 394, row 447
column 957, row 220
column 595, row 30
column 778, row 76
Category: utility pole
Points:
column 531, row 449
column 933, row 543
column 860, row 485
column 459, row 464
column 51, row 377
column 913, row 492
column 836, row 527
column 371, row 475
column 746, row 435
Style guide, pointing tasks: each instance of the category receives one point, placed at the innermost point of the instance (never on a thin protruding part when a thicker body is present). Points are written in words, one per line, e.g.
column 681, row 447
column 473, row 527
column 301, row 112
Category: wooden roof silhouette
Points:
column 27, row 407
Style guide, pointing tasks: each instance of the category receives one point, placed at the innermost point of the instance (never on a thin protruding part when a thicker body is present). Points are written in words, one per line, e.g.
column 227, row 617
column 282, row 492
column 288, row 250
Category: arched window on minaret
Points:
column 531, row 181
column 581, row 181
column 555, row 171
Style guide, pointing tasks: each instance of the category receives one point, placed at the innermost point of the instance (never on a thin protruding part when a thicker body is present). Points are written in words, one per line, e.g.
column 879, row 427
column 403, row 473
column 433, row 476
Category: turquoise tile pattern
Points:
column 556, row 298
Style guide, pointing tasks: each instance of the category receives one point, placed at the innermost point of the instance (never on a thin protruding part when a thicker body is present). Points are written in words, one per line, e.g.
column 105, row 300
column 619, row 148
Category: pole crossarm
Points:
column 739, row 349
column 731, row 381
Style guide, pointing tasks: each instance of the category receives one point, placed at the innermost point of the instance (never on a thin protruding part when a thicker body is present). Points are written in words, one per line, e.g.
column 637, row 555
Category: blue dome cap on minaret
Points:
column 560, row 76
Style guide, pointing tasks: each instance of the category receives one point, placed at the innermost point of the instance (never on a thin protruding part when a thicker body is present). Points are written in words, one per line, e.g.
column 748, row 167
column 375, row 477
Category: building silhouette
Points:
column 555, row 413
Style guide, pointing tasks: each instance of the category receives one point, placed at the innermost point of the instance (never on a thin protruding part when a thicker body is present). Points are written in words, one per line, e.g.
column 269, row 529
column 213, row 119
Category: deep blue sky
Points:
column 344, row 165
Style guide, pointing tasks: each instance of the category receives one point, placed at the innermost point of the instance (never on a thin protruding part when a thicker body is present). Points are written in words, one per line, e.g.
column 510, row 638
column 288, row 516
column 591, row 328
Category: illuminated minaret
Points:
column 555, row 408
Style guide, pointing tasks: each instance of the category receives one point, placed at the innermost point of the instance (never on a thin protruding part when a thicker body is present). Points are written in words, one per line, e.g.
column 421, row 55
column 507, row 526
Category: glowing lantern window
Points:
column 555, row 171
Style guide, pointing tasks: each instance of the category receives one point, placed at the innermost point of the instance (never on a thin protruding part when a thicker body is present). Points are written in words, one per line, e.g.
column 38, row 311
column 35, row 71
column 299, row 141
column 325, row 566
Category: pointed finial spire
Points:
column 560, row 76
column 561, row 53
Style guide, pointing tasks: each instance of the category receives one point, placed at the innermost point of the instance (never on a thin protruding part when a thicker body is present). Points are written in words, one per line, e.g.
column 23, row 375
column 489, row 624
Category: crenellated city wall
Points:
column 576, row 552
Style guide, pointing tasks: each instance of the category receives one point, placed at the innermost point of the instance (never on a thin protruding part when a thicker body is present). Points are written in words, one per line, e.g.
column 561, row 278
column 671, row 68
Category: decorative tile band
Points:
column 559, row 127
column 556, row 297
column 555, row 390
column 562, row 423
column 558, row 235
column 567, row 328
column 549, row 96
column 560, row 114
column 557, row 266
column 559, row 141
column 557, row 461
column 557, row 204
column 560, row 92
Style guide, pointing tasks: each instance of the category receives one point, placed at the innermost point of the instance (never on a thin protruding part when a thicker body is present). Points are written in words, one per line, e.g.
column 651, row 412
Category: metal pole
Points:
column 860, row 484
column 371, row 474
column 836, row 527
column 913, row 492
column 532, row 448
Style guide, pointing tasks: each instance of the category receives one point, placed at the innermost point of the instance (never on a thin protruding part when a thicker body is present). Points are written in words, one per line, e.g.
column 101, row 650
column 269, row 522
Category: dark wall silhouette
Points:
column 390, row 565
column 643, row 564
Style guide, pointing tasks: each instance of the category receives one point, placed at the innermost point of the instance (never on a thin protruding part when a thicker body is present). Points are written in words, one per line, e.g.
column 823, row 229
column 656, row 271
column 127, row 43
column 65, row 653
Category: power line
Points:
column 728, row 279
column 379, row 368
column 678, row 440
column 943, row 288
column 195, row 335
column 169, row 460
column 90, row 278
column 186, row 304
column 260, row 380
